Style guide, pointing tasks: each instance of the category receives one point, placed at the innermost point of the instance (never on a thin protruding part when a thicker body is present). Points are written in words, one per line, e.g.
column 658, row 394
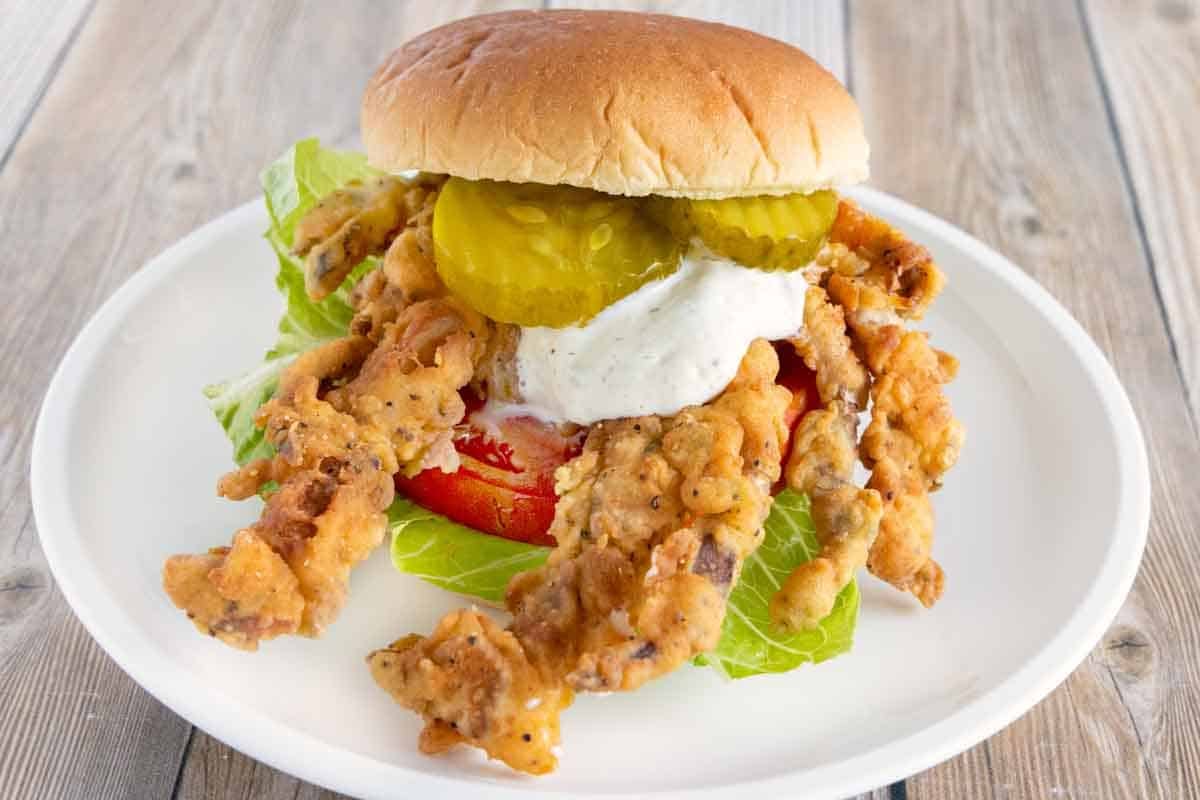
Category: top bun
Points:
column 624, row 103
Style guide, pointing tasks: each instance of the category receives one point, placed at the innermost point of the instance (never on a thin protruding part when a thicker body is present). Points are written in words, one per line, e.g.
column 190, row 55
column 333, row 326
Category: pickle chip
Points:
column 769, row 232
column 538, row 255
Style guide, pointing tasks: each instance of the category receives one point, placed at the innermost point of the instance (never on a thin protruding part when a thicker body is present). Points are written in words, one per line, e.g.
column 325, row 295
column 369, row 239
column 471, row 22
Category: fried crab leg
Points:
column 287, row 572
column 653, row 522
column 869, row 249
column 913, row 437
column 351, row 223
column 877, row 278
column 408, row 273
column 821, row 465
column 346, row 417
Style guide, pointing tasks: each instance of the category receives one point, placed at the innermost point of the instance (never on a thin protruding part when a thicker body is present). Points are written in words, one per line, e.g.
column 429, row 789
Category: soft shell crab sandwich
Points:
column 592, row 315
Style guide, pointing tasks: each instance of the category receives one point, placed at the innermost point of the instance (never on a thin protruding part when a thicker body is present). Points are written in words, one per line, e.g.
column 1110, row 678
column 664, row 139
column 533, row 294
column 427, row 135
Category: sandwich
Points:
column 589, row 333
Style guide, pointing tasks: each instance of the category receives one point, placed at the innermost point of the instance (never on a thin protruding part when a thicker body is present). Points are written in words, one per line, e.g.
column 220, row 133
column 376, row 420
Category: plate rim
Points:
column 264, row 738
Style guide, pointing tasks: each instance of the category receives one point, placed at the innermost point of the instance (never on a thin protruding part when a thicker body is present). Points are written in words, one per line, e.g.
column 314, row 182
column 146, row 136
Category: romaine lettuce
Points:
column 459, row 558
column 463, row 560
column 749, row 645
column 292, row 184
column 456, row 557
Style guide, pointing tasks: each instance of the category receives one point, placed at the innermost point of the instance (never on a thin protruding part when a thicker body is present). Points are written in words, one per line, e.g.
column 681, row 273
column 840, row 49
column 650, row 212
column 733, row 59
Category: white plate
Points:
column 1040, row 529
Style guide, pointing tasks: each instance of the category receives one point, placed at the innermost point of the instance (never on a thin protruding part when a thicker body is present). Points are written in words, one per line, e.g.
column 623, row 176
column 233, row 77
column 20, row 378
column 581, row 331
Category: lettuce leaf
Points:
column 455, row 557
column 749, row 645
column 463, row 560
column 292, row 184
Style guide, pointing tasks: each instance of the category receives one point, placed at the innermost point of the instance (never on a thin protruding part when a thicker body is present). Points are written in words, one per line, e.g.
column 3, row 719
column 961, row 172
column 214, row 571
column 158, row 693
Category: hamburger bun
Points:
column 621, row 102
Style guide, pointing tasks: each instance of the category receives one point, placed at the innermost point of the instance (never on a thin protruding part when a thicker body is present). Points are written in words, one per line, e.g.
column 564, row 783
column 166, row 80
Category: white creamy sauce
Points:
column 673, row 343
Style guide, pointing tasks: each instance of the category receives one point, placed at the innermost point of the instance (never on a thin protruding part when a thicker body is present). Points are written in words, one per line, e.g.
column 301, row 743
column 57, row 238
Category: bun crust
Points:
column 622, row 102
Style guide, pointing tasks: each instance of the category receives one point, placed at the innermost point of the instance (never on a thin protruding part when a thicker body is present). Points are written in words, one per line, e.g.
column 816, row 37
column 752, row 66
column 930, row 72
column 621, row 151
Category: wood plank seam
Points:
column 1151, row 55
column 183, row 760
column 1135, row 202
column 51, row 74
column 1137, row 732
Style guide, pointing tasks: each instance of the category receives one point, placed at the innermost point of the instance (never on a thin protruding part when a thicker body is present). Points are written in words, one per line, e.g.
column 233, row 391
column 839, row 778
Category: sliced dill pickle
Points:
column 767, row 232
column 532, row 254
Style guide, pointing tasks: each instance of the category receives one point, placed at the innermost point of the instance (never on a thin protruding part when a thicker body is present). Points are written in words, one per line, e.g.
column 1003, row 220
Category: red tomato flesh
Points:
column 505, row 484
column 797, row 378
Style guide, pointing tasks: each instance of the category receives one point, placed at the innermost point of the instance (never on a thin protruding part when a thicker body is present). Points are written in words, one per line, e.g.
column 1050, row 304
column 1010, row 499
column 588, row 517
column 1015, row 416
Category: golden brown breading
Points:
column 408, row 273
column 845, row 517
column 287, row 573
column 821, row 465
column 826, row 350
column 847, row 521
column 879, row 279
column 903, row 270
column 653, row 522
column 409, row 385
column 348, row 225
column 472, row 682
column 409, row 263
column 913, row 437
column 240, row 594
column 301, row 428
column 346, row 417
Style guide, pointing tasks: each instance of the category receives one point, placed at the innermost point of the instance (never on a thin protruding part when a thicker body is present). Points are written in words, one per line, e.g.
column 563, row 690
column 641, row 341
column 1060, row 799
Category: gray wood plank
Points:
column 816, row 27
column 166, row 159
column 1150, row 59
column 34, row 38
column 215, row 771
column 994, row 118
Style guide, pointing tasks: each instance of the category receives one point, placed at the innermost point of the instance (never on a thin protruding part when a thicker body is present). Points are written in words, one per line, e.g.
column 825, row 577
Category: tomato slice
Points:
column 505, row 484
column 468, row 498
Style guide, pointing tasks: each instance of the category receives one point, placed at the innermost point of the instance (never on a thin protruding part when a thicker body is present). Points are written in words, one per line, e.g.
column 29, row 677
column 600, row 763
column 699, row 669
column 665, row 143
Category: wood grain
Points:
column 818, row 27
column 158, row 119
column 215, row 771
column 34, row 37
column 1150, row 59
column 994, row 118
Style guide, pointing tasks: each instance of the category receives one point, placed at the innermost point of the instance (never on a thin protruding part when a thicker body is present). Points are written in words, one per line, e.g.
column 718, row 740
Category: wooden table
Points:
column 1064, row 134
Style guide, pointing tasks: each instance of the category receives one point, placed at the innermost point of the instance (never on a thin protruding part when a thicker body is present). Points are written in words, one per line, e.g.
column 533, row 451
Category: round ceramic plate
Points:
column 1040, row 529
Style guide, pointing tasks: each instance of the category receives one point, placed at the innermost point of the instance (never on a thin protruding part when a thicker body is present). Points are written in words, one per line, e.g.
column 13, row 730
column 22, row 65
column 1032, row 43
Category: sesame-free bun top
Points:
column 625, row 103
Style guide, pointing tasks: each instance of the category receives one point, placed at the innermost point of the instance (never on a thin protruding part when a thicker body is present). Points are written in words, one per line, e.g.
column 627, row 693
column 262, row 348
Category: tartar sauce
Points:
column 672, row 343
